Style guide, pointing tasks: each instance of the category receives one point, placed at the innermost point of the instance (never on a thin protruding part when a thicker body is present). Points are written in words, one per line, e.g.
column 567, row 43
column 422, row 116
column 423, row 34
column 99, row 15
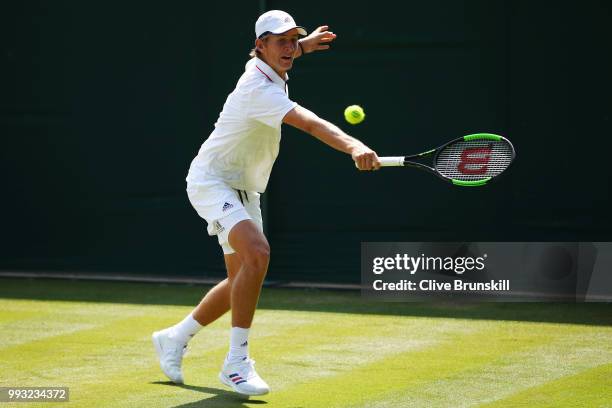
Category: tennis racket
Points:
column 472, row 160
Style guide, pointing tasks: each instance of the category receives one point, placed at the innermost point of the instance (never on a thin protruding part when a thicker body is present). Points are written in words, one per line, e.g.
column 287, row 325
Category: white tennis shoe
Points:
column 170, row 353
column 243, row 378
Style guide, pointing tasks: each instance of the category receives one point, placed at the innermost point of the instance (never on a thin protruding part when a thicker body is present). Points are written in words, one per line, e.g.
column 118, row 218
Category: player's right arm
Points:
column 330, row 134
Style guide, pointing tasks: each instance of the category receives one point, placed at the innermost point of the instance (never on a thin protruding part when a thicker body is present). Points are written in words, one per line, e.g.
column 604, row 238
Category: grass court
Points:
column 314, row 348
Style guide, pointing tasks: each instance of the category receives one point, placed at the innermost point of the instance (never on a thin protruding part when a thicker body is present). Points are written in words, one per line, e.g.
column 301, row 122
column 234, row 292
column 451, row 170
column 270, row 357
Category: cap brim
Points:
column 284, row 29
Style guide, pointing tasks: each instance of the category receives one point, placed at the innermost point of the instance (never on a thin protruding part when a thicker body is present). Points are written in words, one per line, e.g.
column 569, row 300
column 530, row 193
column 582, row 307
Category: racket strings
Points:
column 474, row 160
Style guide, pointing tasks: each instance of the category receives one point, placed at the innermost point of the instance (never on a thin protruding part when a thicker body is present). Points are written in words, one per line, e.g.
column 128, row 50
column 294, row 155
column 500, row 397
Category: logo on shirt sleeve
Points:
column 227, row 206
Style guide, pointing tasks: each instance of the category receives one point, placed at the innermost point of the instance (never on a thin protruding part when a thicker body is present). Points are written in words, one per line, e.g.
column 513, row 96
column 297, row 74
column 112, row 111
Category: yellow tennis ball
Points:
column 354, row 114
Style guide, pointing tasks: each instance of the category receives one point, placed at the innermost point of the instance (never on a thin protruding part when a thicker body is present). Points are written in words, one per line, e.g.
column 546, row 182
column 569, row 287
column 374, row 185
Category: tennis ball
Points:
column 354, row 114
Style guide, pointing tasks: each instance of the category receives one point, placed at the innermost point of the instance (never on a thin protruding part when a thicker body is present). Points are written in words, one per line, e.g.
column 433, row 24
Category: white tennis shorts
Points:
column 223, row 207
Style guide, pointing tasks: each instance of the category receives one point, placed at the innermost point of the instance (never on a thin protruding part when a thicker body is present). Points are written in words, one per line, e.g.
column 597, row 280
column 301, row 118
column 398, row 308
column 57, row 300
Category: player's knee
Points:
column 261, row 256
column 258, row 257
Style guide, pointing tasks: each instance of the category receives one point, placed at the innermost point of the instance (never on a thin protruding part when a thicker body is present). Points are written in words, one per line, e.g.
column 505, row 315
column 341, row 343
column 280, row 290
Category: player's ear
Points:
column 259, row 43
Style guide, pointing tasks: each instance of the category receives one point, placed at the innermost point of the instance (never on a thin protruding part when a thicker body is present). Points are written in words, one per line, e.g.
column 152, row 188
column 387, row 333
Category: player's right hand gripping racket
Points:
column 472, row 160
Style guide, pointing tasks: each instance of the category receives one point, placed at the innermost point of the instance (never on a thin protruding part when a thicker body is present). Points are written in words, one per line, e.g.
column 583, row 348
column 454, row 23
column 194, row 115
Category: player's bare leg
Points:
column 252, row 246
column 218, row 299
column 254, row 251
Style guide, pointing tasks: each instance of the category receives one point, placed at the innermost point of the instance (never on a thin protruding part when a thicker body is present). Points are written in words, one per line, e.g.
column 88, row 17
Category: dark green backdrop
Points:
column 103, row 105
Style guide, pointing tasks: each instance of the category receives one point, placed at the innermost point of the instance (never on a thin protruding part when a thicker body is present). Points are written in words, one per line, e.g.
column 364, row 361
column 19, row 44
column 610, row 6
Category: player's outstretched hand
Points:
column 365, row 158
column 318, row 40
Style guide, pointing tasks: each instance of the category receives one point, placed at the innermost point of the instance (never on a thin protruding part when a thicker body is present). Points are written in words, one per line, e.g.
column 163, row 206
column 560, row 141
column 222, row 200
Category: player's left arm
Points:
column 318, row 40
column 330, row 134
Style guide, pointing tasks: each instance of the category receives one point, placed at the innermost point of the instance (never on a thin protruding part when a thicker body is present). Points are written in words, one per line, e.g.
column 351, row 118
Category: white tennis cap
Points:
column 276, row 22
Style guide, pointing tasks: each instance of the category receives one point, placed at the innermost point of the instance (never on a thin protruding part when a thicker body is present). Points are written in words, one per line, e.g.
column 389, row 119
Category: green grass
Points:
column 314, row 348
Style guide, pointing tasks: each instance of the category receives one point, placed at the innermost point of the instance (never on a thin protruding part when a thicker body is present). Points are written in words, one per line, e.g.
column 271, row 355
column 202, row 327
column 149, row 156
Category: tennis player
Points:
column 225, row 181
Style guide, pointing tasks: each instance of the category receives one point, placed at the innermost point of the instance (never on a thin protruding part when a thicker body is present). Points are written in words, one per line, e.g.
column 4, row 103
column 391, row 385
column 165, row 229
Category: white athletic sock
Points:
column 186, row 329
column 239, row 345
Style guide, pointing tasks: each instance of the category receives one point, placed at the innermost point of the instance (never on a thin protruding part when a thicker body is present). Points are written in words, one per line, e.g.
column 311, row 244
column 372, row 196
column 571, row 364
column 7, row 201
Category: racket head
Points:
column 474, row 160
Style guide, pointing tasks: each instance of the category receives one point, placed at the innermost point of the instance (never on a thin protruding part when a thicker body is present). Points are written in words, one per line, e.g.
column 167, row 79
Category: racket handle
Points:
column 391, row 161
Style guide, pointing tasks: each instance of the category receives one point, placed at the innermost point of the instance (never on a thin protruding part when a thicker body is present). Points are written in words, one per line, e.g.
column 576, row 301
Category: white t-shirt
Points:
column 245, row 143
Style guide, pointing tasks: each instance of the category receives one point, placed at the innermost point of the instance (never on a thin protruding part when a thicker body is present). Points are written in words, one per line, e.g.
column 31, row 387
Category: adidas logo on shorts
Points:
column 227, row 206
column 220, row 228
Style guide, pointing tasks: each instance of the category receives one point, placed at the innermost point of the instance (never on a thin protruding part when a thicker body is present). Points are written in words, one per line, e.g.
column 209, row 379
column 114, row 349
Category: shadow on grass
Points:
column 220, row 398
column 303, row 300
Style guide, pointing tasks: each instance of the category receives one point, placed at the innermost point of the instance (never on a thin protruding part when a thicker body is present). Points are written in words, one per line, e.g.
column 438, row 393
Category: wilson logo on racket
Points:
column 468, row 161
column 475, row 160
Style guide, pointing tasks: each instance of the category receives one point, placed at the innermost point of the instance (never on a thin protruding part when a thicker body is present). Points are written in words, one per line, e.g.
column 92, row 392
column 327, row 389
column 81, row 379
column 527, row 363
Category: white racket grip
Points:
column 391, row 161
